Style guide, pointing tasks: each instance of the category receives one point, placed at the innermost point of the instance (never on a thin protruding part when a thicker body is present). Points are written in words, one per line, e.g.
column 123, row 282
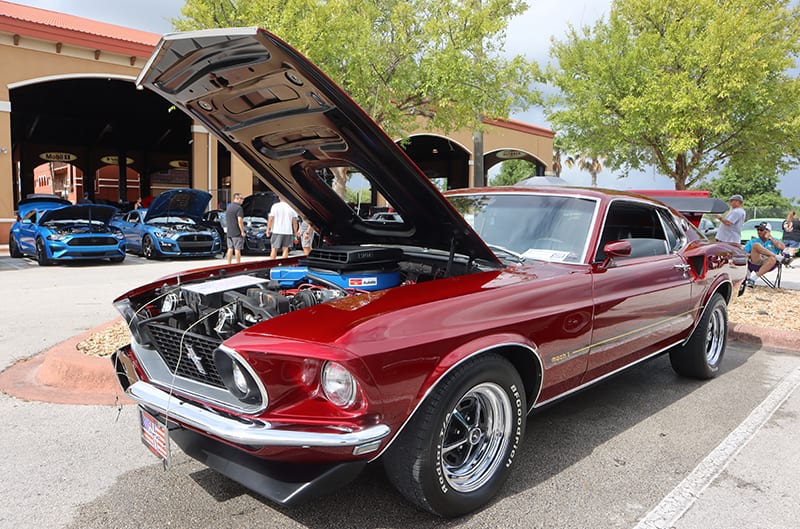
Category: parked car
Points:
column 707, row 227
column 215, row 218
column 172, row 226
column 386, row 216
column 52, row 230
column 423, row 345
column 749, row 229
column 256, row 209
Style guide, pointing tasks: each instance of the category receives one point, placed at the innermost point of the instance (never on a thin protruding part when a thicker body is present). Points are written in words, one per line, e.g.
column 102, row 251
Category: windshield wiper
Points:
column 517, row 257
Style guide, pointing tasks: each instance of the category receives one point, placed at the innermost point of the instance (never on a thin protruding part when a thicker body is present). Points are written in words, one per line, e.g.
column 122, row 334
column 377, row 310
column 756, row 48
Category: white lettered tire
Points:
column 458, row 449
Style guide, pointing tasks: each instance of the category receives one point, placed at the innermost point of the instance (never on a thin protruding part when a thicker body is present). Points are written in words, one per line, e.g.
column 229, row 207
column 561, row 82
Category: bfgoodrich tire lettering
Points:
column 457, row 451
column 702, row 355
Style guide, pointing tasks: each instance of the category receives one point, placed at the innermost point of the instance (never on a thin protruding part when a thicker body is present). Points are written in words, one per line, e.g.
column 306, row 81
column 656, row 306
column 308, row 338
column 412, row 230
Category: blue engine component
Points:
column 292, row 276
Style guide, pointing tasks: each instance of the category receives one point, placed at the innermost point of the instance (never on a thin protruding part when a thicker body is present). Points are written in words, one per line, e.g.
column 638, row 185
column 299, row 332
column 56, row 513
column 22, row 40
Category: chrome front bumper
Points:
column 253, row 433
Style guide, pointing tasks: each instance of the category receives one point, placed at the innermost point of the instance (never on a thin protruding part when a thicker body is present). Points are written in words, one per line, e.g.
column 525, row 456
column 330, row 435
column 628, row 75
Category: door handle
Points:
column 683, row 268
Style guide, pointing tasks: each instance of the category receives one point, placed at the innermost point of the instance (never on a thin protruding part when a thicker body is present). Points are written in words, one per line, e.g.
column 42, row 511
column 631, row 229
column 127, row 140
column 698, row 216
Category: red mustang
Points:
column 422, row 343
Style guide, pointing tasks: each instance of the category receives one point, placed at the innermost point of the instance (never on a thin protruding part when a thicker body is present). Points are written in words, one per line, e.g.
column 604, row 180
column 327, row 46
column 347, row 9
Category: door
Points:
column 643, row 303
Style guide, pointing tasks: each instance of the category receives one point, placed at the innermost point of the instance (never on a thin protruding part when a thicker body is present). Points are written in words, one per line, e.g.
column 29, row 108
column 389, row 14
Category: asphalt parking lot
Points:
column 620, row 455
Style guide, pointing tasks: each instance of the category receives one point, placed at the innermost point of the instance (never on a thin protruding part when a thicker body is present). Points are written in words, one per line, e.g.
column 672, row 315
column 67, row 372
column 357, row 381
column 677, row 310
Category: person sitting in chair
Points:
column 763, row 251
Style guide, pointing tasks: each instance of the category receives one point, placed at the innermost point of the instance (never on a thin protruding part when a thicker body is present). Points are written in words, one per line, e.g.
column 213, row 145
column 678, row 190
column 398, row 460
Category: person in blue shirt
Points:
column 763, row 251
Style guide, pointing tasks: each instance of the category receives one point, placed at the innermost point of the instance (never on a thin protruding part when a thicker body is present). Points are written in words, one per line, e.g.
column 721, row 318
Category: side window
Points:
column 675, row 236
column 30, row 217
column 132, row 217
column 639, row 224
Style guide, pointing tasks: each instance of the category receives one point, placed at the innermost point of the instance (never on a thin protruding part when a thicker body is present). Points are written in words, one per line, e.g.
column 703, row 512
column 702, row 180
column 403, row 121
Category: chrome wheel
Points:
column 701, row 355
column 715, row 336
column 476, row 437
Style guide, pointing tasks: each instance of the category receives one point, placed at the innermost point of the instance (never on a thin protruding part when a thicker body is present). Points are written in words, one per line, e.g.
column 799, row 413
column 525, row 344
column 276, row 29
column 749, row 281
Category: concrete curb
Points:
column 779, row 339
column 64, row 375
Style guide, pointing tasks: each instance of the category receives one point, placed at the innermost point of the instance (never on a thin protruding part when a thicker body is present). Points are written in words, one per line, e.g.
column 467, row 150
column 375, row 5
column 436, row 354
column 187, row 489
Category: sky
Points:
column 529, row 34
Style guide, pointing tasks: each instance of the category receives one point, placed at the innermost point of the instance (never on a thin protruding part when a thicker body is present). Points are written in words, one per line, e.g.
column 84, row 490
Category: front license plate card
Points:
column 155, row 435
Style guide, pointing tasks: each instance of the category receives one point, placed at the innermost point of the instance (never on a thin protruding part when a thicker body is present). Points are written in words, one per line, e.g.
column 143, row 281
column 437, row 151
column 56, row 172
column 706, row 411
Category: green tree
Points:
column 686, row 86
column 399, row 59
column 758, row 186
column 512, row 171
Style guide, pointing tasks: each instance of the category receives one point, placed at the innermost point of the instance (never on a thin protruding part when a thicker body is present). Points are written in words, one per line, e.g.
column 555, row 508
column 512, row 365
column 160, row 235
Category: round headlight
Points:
column 236, row 376
column 338, row 384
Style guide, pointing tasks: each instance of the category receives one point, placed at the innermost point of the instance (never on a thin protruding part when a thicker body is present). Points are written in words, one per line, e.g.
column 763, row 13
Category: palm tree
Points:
column 592, row 164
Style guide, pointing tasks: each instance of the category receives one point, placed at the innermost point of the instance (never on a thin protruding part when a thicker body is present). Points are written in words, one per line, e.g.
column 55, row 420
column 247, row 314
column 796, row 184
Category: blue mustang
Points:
column 51, row 229
column 172, row 226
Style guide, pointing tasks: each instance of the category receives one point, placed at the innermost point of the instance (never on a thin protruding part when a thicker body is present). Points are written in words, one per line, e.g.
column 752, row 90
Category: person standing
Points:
column 234, row 222
column 791, row 233
column 307, row 233
column 281, row 228
column 730, row 227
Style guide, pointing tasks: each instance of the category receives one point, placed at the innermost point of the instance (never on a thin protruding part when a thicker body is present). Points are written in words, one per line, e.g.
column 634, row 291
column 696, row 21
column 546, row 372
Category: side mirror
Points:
column 615, row 250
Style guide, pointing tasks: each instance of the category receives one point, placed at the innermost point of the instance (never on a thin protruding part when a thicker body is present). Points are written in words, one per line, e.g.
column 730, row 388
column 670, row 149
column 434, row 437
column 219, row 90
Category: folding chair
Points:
column 771, row 283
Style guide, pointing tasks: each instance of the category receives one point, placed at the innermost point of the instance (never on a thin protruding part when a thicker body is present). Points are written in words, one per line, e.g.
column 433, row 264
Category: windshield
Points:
column 170, row 220
column 541, row 227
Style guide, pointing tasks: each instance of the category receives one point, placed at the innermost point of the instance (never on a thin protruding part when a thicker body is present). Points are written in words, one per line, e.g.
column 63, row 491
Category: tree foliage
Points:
column 686, row 85
column 398, row 59
column 512, row 171
column 758, row 186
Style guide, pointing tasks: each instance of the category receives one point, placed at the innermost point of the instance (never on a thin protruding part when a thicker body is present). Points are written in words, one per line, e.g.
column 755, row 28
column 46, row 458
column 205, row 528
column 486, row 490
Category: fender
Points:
column 467, row 351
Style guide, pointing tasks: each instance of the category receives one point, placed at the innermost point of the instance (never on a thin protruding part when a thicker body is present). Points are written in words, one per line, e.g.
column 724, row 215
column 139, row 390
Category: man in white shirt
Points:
column 730, row 226
column 281, row 228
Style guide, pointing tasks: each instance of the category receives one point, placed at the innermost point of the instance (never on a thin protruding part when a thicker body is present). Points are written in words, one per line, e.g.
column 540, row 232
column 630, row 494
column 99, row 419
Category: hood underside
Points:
column 299, row 131
column 179, row 203
column 92, row 212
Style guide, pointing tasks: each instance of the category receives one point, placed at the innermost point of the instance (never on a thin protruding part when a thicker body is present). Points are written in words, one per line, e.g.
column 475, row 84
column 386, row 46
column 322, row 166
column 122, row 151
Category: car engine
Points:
column 221, row 307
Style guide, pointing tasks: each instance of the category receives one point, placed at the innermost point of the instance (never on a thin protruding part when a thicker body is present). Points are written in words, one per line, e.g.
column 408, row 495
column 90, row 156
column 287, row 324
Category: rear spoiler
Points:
column 693, row 208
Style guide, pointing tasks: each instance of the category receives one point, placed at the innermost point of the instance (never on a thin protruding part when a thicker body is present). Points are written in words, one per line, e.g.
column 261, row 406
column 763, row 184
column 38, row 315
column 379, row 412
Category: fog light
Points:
column 338, row 384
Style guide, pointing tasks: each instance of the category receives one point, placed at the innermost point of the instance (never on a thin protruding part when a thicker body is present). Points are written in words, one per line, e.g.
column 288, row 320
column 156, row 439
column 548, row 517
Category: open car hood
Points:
column 40, row 202
column 179, row 203
column 292, row 124
column 259, row 204
column 93, row 212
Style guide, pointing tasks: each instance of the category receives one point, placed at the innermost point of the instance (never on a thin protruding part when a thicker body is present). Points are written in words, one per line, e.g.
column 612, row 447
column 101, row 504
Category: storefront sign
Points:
column 114, row 160
column 58, row 157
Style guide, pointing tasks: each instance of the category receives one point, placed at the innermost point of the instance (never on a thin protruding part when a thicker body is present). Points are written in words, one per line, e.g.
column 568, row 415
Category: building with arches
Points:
column 72, row 121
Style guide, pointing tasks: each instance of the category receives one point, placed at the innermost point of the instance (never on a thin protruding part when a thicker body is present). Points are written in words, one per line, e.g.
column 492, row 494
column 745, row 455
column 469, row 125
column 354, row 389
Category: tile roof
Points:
column 61, row 27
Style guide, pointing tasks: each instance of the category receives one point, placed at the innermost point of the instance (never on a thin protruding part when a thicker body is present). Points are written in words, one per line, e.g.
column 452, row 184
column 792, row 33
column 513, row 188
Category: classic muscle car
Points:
column 421, row 344
column 53, row 230
column 172, row 226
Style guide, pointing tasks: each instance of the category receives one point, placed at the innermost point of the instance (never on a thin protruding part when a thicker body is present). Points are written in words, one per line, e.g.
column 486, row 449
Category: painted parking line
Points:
column 682, row 497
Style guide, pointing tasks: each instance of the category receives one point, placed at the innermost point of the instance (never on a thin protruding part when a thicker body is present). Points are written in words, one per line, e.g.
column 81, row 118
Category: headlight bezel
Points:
column 338, row 384
column 225, row 359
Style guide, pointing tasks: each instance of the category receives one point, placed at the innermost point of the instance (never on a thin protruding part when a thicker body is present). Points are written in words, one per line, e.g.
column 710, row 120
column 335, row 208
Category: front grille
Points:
column 196, row 348
column 92, row 241
column 195, row 243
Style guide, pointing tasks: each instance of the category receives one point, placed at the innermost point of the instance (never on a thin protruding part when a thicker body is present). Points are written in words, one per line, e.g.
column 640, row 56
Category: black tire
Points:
column 149, row 248
column 13, row 249
column 482, row 396
column 701, row 356
column 41, row 254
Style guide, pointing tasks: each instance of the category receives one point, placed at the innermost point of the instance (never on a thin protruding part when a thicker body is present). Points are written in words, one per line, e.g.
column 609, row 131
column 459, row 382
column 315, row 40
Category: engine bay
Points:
column 220, row 307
